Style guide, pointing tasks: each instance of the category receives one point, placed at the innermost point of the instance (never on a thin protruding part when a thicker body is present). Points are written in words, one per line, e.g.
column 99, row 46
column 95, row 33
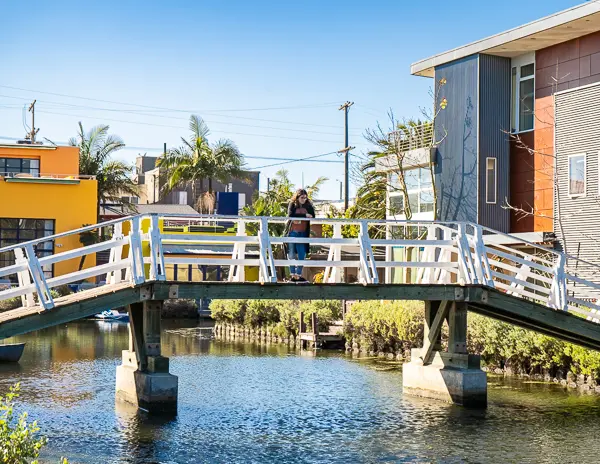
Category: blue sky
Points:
column 268, row 75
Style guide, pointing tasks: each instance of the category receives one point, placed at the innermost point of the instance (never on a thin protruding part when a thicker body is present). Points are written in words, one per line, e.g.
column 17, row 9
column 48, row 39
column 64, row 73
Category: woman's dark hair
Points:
column 295, row 198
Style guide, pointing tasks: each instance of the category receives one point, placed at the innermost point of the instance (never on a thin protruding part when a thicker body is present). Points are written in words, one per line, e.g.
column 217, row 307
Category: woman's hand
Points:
column 309, row 215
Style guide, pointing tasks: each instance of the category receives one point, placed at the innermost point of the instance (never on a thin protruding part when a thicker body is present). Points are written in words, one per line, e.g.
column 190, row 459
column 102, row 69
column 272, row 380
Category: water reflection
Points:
column 243, row 402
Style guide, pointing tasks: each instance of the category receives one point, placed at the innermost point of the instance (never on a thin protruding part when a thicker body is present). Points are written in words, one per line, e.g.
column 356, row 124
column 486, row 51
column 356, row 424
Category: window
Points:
column 577, row 175
column 523, row 93
column 13, row 231
column 419, row 186
column 491, row 181
column 181, row 198
column 12, row 166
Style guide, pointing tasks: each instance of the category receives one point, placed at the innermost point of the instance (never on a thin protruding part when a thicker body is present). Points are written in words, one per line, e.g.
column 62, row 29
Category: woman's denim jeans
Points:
column 296, row 251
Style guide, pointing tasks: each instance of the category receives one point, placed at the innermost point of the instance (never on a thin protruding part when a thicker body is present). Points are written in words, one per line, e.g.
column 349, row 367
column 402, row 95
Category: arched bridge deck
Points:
column 154, row 257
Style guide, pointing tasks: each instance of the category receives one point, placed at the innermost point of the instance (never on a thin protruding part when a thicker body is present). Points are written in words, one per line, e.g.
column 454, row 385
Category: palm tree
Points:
column 95, row 150
column 197, row 160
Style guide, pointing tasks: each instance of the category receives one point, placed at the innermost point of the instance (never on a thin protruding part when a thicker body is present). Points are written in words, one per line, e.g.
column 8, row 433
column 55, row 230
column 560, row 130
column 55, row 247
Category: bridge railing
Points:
column 147, row 248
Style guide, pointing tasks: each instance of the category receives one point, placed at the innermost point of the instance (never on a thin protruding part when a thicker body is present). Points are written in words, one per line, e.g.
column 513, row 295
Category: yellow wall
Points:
column 252, row 273
column 70, row 205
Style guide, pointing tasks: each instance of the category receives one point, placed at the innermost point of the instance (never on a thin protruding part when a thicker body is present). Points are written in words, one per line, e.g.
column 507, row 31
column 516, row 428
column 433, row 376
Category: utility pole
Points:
column 346, row 106
column 34, row 131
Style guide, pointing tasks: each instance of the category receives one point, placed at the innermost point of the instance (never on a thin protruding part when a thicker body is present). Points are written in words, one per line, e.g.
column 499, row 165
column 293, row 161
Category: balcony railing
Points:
column 27, row 175
column 412, row 137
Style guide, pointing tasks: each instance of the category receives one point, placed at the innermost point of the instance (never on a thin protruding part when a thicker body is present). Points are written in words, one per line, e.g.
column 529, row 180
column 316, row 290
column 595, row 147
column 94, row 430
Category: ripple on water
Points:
column 243, row 403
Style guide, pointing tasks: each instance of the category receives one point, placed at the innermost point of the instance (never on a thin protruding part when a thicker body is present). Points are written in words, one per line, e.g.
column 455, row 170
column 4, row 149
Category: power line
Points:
column 319, row 105
column 300, row 160
column 181, row 127
column 290, row 160
column 67, row 106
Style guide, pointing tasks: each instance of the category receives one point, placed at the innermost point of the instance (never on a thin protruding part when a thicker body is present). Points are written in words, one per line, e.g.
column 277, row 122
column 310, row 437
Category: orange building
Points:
column 42, row 194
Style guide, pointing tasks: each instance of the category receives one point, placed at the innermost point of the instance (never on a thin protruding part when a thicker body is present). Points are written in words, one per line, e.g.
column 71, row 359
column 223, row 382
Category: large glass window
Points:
column 419, row 186
column 13, row 231
column 577, row 175
column 523, row 94
column 12, row 166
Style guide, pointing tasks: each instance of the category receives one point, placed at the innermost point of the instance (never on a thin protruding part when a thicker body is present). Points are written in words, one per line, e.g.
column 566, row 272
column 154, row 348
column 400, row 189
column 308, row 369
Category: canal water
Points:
column 245, row 403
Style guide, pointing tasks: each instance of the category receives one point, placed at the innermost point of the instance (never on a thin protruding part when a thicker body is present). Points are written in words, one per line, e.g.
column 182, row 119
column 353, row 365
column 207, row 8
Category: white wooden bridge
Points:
column 453, row 267
column 151, row 257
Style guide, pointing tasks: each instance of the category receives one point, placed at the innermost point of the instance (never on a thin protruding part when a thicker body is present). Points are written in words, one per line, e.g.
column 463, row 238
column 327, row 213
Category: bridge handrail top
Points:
column 540, row 247
column 282, row 220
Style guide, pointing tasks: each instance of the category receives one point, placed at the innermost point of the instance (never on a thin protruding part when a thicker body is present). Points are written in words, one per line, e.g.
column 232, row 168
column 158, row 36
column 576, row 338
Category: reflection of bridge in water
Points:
column 452, row 267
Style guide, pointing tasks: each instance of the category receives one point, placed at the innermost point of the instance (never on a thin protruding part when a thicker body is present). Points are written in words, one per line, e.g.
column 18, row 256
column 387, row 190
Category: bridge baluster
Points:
column 557, row 298
column 157, row 257
column 136, row 269
column 24, row 278
column 39, row 280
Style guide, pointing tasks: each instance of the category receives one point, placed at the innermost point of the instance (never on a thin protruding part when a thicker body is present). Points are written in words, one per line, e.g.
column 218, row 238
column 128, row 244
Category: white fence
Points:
column 376, row 251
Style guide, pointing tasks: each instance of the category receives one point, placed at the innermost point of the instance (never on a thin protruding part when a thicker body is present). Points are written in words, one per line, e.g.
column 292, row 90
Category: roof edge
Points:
column 424, row 66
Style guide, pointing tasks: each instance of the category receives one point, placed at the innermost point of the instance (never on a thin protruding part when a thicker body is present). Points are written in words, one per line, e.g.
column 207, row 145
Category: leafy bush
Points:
column 260, row 313
column 387, row 326
column 281, row 315
column 327, row 312
column 502, row 345
column 228, row 311
column 11, row 303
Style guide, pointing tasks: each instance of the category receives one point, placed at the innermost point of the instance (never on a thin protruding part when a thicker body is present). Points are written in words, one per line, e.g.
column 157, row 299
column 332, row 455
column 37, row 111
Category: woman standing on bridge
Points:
column 299, row 207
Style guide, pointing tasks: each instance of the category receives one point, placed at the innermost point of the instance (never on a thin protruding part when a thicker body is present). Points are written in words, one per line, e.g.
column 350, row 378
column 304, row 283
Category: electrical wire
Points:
column 68, row 106
column 319, row 105
column 181, row 127
column 299, row 160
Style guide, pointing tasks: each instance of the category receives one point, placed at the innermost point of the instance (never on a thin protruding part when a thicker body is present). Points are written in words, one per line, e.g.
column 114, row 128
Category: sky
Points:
column 269, row 75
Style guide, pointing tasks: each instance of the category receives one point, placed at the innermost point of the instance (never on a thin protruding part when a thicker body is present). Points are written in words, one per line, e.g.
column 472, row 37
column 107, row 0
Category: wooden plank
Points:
column 530, row 315
column 281, row 291
column 26, row 320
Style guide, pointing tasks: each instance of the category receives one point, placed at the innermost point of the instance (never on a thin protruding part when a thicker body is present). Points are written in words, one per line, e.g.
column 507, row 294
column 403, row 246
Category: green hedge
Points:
column 388, row 326
column 282, row 316
column 398, row 326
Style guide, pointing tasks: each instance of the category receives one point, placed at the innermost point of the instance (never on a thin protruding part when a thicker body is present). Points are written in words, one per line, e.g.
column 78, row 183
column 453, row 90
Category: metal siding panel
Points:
column 494, row 122
column 456, row 169
column 577, row 129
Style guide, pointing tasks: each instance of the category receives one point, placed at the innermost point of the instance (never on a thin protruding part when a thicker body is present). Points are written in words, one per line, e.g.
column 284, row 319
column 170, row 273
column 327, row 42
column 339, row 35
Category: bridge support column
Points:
column 453, row 376
column 143, row 378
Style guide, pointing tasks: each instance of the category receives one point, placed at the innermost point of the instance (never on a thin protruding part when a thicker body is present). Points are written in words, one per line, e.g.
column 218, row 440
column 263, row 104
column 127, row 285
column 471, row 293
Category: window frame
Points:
column 41, row 252
column 577, row 195
column 393, row 193
column 515, row 106
column 487, row 186
column 35, row 172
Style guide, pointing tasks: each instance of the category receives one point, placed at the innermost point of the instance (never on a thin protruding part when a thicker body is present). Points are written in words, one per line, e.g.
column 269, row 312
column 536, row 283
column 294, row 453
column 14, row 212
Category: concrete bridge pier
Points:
column 454, row 376
column 143, row 378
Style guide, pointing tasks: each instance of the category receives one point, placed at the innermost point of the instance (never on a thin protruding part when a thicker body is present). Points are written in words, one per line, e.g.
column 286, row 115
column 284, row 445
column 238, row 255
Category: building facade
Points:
column 519, row 149
column 151, row 186
column 42, row 194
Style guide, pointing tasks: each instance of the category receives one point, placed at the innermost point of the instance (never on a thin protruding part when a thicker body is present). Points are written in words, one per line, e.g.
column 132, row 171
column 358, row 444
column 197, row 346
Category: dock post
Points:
column 314, row 321
column 302, row 330
column 454, row 376
column 143, row 378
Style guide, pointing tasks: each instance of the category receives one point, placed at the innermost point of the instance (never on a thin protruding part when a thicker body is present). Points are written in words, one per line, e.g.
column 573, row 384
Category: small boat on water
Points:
column 11, row 353
column 112, row 315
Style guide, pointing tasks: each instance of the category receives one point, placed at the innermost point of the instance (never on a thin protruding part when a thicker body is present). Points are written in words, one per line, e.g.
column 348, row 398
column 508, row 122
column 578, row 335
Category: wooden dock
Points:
column 315, row 339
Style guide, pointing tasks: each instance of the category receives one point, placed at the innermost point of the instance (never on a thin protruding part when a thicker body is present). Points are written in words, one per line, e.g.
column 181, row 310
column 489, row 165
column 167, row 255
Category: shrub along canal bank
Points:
column 391, row 329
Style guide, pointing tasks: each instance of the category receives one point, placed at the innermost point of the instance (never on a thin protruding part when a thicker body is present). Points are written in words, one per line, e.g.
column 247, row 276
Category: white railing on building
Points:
column 412, row 137
column 419, row 252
